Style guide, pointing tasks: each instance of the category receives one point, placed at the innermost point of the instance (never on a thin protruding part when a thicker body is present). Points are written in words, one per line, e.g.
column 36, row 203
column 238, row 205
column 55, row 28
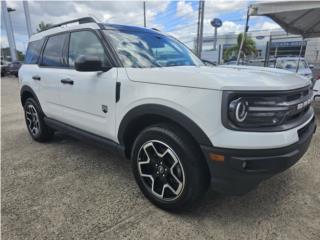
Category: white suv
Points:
column 182, row 124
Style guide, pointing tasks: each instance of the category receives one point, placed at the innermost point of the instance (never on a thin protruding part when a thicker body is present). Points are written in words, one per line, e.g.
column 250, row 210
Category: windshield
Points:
column 291, row 64
column 147, row 50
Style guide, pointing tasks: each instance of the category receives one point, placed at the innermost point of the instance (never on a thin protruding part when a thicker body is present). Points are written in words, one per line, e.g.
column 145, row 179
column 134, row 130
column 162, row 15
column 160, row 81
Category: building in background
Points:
column 269, row 45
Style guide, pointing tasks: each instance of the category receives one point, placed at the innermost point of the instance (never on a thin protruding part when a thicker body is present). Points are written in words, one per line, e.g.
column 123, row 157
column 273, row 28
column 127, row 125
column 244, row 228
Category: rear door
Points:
column 88, row 98
column 52, row 66
column 30, row 67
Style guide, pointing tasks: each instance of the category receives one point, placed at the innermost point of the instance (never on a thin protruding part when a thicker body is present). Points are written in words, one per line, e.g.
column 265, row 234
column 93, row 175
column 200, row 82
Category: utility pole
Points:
column 200, row 28
column 215, row 39
column 9, row 29
column 27, row 15
column 244, row 36
column 267, row 59
column 144, row 14
column 300, row 53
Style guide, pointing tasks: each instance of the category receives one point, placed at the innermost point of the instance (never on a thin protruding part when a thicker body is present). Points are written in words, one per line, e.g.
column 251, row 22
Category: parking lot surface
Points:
column 67, row 189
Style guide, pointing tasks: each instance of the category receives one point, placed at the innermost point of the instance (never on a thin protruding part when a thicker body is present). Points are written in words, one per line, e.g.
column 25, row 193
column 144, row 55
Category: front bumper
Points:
column 242, row 170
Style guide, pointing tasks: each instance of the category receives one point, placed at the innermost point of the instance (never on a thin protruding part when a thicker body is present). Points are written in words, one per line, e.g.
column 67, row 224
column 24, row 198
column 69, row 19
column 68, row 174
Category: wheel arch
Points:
column 148, row 114
column 27, row 92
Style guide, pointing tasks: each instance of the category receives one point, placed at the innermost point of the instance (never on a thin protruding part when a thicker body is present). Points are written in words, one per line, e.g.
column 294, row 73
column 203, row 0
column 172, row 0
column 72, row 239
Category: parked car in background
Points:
column 291, row 63
column 316, row 91
column 4, row 66
column 13, row 68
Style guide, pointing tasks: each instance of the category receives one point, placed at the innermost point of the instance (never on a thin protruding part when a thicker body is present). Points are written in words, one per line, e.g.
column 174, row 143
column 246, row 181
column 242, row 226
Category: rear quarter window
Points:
column 33, row 52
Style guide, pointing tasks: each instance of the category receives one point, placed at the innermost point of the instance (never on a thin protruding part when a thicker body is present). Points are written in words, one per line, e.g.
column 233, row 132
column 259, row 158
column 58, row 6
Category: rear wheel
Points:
column 168, row 168
column 37, row 128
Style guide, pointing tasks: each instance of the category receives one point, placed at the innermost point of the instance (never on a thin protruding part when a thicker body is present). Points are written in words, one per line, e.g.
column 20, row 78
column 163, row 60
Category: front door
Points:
column 88, row 98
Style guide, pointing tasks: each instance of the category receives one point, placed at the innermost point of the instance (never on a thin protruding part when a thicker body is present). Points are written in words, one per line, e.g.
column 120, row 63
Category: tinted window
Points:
column 33, row 52
column 53, row 52
column 86, row 43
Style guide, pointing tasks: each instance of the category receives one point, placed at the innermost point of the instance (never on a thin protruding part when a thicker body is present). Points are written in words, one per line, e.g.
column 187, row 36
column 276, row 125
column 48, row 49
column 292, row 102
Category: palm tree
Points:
column 43, row 26
column 248, row 48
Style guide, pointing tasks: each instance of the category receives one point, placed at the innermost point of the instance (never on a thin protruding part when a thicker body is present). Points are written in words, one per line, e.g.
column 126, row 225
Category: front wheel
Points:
column 168, row 168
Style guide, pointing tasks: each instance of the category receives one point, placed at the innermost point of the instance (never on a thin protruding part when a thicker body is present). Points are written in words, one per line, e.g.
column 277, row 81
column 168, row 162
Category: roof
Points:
column 92, row 25
column 296, row 17
column 58, row 29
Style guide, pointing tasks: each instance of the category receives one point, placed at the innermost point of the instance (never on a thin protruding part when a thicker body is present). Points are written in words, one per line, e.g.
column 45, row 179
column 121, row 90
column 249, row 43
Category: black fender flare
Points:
column 165, row 112
column 27, row 89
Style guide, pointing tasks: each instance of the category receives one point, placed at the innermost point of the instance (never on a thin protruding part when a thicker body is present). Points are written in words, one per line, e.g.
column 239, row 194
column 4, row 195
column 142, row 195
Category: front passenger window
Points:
column 86, row 43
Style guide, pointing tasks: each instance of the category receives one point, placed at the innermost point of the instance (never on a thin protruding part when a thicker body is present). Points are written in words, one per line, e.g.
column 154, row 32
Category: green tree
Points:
column 20, row 56
column 248, row 48
column 43, row 26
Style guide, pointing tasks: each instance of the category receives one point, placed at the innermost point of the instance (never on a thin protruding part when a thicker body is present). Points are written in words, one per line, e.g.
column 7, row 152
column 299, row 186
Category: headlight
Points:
column 251, row 112
column 238, row 110
column 264, row 111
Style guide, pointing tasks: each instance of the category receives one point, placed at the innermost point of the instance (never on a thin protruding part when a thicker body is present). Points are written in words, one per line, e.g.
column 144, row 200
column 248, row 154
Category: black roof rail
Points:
column 79, row 20
column 156, row 29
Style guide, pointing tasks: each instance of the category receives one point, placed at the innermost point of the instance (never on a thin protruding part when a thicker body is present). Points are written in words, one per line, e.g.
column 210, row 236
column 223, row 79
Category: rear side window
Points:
column 54, row 51
column 86, row 43
column 33, row 52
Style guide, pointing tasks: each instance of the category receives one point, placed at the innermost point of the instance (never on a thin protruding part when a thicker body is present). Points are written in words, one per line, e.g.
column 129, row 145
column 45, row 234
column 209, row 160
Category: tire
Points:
column 180, row 156
column 36, row 126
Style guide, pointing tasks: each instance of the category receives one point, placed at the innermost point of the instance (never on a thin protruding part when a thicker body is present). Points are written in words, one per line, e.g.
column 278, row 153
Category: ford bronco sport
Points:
column 184, row 125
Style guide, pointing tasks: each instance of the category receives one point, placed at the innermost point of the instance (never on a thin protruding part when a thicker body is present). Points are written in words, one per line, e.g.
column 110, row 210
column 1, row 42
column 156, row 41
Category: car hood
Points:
column 220, row 78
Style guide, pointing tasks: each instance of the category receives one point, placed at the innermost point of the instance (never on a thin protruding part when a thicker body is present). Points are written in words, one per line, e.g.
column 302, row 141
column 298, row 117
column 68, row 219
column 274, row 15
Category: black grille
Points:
column 270, row 110
column 299, row 104
column 297, row 95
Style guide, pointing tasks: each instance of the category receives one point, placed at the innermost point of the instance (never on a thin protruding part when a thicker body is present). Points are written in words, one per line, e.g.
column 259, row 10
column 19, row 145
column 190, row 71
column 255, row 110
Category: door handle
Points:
column 67, row 81
column 36, row 77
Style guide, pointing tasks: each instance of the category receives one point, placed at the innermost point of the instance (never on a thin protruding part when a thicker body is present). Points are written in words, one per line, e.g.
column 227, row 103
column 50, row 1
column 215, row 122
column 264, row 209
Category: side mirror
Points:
column 89, row 64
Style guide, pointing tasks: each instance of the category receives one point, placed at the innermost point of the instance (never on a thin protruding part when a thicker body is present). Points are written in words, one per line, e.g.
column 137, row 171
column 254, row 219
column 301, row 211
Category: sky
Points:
column 178, row 18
